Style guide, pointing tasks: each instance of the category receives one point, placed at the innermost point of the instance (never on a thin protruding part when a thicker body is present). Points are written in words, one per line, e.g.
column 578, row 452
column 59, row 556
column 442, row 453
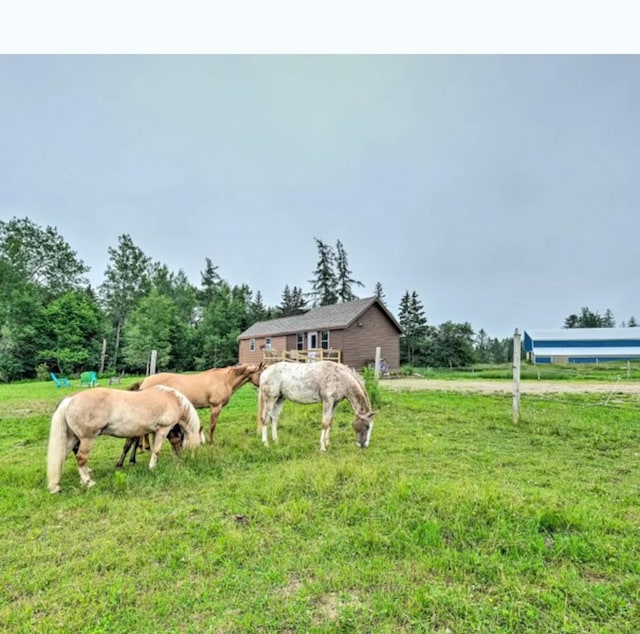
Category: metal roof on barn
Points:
column 333, row 317
column 583, row 344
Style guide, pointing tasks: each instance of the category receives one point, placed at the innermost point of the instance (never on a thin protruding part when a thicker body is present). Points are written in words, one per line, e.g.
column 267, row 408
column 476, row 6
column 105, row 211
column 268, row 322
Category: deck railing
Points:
column 303, row 356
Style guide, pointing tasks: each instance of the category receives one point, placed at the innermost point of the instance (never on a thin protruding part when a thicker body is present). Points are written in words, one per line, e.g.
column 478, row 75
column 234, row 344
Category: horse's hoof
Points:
column 91, row 483
column 55, row 489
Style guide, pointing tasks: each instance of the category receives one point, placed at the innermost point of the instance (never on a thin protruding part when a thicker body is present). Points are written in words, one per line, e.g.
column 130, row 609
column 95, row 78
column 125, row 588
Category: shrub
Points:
column 42, row 372
column 371, row 385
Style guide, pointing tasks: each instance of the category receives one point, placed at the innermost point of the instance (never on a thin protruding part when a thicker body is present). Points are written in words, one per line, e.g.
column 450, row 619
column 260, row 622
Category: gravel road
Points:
column 526, row 387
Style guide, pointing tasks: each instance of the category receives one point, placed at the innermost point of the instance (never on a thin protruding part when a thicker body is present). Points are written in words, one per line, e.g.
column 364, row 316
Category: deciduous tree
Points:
column 126, row 282
column 72, row 330
column 148, row 328
column 41, row 256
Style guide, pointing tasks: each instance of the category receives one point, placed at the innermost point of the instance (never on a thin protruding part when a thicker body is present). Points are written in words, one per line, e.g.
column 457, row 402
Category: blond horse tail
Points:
column 189, row 417
column 260, row 412
column 193, row 422
column 57, row 450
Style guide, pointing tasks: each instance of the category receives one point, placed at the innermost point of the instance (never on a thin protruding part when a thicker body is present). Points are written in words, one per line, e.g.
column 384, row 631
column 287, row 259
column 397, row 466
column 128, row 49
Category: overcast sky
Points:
column 503, row 189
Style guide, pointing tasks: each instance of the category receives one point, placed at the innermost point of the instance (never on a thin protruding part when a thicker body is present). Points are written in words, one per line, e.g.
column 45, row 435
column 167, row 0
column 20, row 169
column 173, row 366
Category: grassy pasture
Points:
column 604, row 371
column 454, row 520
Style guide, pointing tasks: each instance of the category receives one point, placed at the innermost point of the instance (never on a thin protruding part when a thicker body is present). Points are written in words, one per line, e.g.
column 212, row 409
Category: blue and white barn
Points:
column 582, row 345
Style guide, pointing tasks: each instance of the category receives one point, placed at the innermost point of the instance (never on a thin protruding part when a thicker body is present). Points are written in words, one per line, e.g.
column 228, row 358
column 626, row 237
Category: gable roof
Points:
column 333, row 317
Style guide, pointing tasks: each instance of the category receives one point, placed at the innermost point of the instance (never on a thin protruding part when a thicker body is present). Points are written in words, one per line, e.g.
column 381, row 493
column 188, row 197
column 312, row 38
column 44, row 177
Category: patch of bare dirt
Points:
column 487, row 386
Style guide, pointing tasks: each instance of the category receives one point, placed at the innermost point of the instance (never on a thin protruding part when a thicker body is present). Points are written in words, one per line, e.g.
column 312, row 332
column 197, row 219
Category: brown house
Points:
column 347, row 332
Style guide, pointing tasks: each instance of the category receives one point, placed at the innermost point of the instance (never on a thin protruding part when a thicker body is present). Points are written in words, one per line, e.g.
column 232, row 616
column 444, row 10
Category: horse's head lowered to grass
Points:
column 327, row 382
column 362, row 425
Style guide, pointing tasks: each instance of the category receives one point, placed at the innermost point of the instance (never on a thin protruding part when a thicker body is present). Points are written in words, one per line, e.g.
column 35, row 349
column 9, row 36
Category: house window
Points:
column 267, row 343
column 252, row 345
column 300, row 341
column 324, row 339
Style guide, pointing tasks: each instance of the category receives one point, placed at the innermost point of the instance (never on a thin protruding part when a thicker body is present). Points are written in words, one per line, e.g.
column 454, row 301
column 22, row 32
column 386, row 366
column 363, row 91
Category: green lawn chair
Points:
column 60, row 381
column 88, row 379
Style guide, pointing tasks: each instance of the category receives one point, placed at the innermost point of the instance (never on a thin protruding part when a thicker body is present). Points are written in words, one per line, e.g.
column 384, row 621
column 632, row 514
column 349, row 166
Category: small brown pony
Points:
column 212, row 388
column 80, row 418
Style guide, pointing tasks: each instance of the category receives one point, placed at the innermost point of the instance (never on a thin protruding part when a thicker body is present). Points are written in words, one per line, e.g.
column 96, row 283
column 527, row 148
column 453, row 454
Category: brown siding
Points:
column 360, row 340
column 357, row 342
column 246, row 356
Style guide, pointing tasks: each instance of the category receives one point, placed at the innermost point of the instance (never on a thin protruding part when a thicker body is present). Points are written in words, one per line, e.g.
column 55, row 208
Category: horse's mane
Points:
column 364, row 395
column 358, row 376
column 187, row 408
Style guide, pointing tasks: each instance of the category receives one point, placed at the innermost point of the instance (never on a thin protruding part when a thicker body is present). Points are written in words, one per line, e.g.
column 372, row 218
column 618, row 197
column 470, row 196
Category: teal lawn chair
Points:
column 88, row 379
column 60, row 381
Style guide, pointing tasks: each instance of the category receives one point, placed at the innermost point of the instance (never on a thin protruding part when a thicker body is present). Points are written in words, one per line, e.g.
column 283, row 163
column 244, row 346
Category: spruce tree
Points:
column 210, row 281
column 344, row 280
column 414, row 325
column 293, row 302
column 324, row 285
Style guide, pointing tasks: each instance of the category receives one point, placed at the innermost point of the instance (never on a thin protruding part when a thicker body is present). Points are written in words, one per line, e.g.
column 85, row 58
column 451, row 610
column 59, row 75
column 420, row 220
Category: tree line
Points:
column 52, row 319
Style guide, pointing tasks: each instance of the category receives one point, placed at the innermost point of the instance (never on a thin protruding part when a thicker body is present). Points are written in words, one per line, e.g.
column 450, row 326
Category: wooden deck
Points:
column 302, row 356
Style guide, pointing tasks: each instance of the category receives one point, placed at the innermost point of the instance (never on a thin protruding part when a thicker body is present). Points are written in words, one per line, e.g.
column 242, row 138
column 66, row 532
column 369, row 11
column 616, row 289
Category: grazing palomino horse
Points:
column 79, row 419
column 323, row 381
column 212, row 388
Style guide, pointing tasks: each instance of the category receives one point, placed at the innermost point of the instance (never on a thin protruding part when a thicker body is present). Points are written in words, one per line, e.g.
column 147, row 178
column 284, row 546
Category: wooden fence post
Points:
column 153, row 361
column 516, row 376
column 103, row 356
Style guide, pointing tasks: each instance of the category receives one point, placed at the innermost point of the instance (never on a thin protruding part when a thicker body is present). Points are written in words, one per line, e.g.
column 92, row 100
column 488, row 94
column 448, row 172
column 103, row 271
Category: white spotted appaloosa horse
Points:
column 323, row 382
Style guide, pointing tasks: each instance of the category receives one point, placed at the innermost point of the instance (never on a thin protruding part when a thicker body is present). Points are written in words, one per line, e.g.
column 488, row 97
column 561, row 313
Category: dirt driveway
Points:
column 526, row 387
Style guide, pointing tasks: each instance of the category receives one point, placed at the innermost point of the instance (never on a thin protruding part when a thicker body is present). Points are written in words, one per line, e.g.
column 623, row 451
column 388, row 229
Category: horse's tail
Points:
column 189, row 417
column 196, row 438
column 136, row 386
column 260, row 412
column 57, row 450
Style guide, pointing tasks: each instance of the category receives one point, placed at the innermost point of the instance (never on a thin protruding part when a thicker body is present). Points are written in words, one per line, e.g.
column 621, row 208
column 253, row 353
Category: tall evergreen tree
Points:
column 590, row 319
column 345, row 282
column 292, row 303
column 259, row 312
column 482, row 347
column 378, row 292
column 126, row 281
column 210, row 280
column 324, row 285
column 608, row 320
column 414, row 325
column 571, row 321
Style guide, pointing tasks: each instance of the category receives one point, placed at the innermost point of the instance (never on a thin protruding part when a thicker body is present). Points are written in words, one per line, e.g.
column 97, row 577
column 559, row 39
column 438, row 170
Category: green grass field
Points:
column 454, row 520
column 605, row 371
